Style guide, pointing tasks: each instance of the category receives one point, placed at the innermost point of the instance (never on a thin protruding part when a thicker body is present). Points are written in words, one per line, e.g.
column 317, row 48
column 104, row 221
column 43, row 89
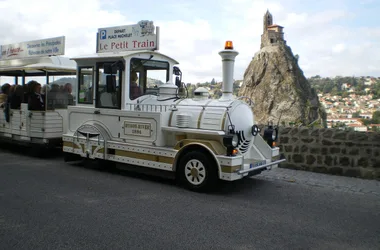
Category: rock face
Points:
column 279, row 90
column 276, row 84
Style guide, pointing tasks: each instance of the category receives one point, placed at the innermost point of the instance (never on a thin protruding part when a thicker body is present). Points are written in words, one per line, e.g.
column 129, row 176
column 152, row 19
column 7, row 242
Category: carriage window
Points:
column 108, row 91
column 151, row 74
column 86, row 85
column 61, row 92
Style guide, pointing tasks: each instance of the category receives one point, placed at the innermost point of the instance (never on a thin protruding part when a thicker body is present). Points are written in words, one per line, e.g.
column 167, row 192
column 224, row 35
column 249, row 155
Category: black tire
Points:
column 211, row 178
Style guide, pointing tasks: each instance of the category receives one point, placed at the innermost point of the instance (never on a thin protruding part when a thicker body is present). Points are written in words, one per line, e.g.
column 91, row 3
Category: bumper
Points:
column 262, row 167
column 238, row 168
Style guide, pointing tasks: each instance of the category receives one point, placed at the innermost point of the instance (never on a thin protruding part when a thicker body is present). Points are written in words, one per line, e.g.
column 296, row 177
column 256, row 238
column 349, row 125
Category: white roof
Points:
column 39, row 64
column 122, row 54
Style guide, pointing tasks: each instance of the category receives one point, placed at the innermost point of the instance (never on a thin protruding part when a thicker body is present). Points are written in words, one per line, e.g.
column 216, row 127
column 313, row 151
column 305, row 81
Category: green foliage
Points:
column 335, row 85
column 339, row 125
column 366, row 122
column 376, row 129
column 376, row 117
column 376, row 90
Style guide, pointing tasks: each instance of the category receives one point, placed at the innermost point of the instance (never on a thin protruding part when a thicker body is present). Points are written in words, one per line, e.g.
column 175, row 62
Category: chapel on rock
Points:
column 272, row 34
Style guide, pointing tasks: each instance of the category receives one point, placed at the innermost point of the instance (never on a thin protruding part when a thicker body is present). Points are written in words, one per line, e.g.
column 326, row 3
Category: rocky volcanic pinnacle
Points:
column 279, row 90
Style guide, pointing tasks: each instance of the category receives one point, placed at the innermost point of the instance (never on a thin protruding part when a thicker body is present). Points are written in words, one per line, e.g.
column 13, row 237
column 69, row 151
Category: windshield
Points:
column 147, row 76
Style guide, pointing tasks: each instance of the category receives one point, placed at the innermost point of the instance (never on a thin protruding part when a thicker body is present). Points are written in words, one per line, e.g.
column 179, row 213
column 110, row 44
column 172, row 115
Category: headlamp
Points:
column 230, row 141
column 235, row 140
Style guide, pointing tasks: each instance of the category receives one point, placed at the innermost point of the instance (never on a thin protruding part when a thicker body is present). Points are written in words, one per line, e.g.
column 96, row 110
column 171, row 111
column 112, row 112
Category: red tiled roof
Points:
column 275, row 25
column 355, row 125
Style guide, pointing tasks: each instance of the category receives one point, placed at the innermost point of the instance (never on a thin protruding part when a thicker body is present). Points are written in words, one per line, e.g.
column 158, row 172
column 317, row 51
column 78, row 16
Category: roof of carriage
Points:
column 36, row 65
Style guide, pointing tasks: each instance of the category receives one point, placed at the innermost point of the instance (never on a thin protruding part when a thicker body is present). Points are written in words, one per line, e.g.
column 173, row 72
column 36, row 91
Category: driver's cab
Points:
column 114, row 80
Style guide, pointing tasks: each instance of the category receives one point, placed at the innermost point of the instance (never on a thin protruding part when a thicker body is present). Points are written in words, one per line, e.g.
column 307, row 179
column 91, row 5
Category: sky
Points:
column 332, row 38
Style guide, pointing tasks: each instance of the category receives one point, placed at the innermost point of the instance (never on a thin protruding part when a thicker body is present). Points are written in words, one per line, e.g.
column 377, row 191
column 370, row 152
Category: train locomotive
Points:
column 123, row 116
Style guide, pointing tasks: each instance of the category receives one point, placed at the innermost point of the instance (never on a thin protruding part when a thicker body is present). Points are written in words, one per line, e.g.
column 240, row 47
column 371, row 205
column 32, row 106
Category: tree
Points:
column 376, row 129
column 334, row 90
column 376, row 117
column 366, row 122
column 356, row 115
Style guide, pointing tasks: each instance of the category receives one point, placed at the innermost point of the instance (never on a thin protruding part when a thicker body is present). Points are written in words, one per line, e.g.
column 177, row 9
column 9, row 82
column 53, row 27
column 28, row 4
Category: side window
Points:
column 108, row 91
column 86, row 85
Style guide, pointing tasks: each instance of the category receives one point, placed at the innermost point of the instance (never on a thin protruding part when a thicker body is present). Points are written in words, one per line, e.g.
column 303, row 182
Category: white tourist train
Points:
column 41, row 81
column 131, row 110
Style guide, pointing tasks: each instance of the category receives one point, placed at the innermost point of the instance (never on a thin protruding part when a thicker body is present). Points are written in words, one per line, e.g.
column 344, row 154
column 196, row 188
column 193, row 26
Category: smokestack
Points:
column 228, row 59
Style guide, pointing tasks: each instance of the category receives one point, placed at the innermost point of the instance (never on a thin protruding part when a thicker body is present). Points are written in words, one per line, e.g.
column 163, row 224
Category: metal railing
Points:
column 148, row 107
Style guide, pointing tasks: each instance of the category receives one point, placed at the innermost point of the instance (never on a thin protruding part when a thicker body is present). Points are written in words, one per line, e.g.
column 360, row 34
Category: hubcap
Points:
column 195, row 172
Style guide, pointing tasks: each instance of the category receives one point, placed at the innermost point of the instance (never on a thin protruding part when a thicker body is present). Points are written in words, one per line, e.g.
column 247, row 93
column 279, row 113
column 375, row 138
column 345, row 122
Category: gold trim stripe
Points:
column 230, row 169
column 201, row 114
column 200, row 118
column 72, row 145
column 146, row 157
column 276, row 158
column 224, row 120
column 170, row 118
column 81, row 147
column 135, row 155
column 100, row 151
column 215, row 146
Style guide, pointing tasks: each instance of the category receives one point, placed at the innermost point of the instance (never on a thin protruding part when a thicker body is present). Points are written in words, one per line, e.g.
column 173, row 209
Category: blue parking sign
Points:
column 103, row 34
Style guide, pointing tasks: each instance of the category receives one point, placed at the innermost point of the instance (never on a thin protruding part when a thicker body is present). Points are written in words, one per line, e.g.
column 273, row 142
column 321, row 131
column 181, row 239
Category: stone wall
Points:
column 331, row 151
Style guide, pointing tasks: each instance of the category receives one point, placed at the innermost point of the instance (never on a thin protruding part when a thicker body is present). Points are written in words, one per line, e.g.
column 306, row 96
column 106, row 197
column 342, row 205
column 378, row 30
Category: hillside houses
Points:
column 341, row 111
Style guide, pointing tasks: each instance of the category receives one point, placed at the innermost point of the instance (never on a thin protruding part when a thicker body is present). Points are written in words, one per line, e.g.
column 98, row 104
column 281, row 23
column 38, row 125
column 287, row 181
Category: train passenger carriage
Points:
column 132, row 108
column 41, row 84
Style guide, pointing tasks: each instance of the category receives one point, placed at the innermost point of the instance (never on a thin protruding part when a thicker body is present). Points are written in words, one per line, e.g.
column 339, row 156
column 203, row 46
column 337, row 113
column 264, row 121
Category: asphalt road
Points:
column 48, row 204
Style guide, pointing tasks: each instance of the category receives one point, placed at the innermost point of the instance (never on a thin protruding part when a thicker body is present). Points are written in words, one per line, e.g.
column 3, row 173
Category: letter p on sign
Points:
column 103, row 34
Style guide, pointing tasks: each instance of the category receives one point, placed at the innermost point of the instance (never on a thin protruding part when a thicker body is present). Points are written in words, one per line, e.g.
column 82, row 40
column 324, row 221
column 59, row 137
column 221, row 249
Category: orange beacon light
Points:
column 228, row 45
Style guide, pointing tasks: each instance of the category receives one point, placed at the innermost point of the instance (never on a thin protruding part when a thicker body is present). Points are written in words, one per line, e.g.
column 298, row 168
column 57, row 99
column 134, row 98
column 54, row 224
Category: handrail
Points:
column 251, row 103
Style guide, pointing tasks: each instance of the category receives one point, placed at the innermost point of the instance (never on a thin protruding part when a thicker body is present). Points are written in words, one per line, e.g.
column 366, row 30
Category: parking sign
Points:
column 103, row 34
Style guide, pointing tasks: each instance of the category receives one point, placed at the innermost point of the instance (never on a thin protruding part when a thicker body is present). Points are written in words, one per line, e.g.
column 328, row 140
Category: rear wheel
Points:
column 197, row 172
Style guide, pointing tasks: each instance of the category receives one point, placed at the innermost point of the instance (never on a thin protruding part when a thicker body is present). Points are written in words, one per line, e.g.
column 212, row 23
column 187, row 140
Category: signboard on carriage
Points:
column 35, row 48
column 140, row 36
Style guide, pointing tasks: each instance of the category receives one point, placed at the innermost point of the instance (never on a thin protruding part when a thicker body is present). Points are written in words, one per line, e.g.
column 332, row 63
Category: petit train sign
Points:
column 140, row 36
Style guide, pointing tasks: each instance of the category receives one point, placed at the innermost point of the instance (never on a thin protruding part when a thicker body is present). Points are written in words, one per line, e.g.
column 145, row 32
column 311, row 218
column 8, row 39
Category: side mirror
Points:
column 177, row 71
column 178, row 82
column 178, row 78
column 110, row 84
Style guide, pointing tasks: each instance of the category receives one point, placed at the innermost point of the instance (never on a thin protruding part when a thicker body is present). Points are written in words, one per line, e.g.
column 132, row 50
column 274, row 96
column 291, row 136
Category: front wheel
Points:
column 197, row 172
